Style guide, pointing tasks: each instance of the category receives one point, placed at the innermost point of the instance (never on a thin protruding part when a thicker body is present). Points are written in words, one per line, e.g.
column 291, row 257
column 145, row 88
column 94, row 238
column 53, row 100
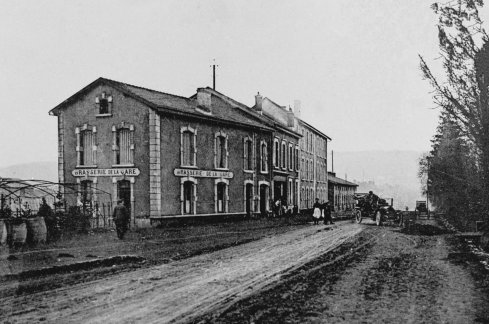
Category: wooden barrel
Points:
column 36, row 230
column 18, row 233
column 3, row 232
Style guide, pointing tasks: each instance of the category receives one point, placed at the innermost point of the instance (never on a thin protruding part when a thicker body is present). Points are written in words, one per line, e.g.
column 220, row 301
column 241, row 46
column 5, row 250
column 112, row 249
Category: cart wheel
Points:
column 378, row 218
column 358, row 216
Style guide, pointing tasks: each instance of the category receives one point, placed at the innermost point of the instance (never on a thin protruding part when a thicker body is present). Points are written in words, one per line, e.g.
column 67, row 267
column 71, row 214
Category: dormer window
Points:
column 104, row 103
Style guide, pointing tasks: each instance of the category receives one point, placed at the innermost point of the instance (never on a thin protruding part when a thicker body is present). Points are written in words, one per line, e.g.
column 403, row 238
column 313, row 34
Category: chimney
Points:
column 297, row 108
column 290, row 117
column 204, row 99
column 259, row 103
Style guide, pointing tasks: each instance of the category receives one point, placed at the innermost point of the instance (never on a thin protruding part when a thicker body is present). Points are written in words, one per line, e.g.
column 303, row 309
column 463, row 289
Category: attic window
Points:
column 104, row 103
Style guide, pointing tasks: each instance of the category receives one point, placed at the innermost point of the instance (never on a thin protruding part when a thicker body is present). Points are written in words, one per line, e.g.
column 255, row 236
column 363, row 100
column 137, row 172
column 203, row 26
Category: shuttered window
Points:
column 187, row 148
column 123, row 144
column 248, row 154
column 86, row 148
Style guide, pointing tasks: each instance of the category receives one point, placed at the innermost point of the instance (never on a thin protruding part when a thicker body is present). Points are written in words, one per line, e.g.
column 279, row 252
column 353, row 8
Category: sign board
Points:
column 202, row 173
column 115, row 172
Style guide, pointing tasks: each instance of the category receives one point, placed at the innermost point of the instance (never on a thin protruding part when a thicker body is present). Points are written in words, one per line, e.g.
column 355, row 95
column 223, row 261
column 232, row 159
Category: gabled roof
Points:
column 169, row 103
column 334, row 179
column 250, row 112
column 314, row 128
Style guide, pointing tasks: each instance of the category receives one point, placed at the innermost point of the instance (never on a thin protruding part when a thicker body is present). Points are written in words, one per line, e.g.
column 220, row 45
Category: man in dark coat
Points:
column 327, row 214
column 121, row 219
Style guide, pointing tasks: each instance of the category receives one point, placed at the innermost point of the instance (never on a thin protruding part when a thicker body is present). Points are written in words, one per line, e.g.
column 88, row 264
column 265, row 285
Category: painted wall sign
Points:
column 116, row 172
column 202, row 173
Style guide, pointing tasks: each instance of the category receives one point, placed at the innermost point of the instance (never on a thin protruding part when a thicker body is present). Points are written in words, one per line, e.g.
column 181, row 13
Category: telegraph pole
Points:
column 214, row 75
column 427, row 185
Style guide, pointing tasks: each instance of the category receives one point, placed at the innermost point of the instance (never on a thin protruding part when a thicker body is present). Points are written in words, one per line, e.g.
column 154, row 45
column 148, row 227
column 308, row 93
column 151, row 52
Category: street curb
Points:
column 76, row 266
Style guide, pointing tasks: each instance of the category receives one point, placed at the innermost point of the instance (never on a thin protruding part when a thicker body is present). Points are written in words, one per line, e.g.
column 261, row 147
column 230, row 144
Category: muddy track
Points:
column 393, row 278
column 184, row 290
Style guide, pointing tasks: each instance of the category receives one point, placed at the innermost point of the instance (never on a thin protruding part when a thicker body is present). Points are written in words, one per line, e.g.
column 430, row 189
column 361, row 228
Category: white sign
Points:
column 116, row 172
column 202, row 173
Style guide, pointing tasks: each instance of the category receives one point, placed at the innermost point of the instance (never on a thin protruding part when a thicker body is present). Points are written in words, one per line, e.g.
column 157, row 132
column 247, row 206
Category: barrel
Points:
column 18, row 233
column 3, row 232
column 36, row 230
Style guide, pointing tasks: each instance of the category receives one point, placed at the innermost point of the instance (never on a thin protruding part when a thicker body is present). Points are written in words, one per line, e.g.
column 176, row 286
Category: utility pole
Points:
column 214, row 75
column 427, row 185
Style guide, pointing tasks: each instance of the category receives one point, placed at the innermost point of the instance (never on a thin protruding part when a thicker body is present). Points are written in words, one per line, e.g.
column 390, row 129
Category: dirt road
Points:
column 184, row 290
column 398, row 279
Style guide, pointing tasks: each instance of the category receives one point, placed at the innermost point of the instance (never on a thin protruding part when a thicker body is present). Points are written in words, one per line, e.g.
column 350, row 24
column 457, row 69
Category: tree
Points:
column 453, row 183
column 462, row 94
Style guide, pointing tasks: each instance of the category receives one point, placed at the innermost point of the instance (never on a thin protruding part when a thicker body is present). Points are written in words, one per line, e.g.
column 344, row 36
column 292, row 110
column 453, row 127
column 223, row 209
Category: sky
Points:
column 353, row 64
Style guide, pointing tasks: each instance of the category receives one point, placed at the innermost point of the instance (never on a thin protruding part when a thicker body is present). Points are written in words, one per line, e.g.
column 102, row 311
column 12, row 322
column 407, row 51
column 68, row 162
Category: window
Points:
column 297, row 166
column 86, row 192
column 86, row 148
column 248, row 153
column 291, row 157
column 276, row 153
column 311, row 168
column 187, row 146
column 284, row 155
column 221, row 151
column 123, row 144
column 263, row 157
column 188, row 197
column 104, row 103
column 221, row 196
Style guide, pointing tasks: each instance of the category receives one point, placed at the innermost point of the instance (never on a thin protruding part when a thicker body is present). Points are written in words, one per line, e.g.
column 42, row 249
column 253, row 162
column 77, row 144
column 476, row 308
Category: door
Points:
column 263, row 199
column 249, row 199
column 124, row 193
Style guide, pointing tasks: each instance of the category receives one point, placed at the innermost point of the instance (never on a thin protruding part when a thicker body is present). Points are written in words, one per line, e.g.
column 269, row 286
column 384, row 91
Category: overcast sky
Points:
column 353, row 64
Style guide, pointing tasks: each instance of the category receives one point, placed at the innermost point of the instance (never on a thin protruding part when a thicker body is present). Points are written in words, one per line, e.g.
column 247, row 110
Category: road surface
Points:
column 183, row 290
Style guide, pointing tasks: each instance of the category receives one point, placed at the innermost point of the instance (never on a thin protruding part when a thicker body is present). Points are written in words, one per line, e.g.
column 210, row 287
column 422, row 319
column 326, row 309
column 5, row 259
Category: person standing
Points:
column 327, row 214
column 121, row 219
column 316, row 211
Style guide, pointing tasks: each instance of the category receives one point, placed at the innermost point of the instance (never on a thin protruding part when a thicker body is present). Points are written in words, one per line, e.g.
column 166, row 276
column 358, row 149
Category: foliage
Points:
column 451, row 174
column 458, row 165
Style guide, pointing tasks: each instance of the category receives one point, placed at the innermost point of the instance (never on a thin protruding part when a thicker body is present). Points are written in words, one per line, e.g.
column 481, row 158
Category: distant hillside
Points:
column 35, row 170
column 390, row 173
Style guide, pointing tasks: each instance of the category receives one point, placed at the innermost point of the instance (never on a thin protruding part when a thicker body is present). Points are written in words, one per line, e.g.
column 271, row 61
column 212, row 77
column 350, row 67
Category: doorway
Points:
column 124, row 193
column 263, row 199
column 249, row 199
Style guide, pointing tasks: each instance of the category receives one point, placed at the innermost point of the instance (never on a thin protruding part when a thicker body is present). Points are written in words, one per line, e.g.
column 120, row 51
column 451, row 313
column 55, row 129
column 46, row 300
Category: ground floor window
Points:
column 188, row 194
column 264, row 194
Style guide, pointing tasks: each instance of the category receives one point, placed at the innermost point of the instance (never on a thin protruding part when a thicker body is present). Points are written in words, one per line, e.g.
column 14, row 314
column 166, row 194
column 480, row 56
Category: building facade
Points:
column 314, row 164
column 285, row 150
column 164, row 155
column 341, row 193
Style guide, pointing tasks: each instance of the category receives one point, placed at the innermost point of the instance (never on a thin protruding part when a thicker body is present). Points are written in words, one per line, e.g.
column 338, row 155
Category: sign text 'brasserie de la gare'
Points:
column 115, row 172
column 202, row 173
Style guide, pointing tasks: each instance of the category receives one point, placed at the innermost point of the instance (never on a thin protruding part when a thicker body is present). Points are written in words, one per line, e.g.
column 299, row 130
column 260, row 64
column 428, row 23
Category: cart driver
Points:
column 372, row 200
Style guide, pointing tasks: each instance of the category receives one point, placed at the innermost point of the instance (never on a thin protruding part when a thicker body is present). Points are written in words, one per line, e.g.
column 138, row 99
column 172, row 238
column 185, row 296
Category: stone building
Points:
column 313, row 146
column 341, row 193
column 299, row 153
column 164, row 155
column 285, row 149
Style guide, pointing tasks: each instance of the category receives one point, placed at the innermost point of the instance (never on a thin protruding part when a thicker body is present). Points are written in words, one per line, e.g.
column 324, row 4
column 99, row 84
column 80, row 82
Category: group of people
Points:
column 322, row 211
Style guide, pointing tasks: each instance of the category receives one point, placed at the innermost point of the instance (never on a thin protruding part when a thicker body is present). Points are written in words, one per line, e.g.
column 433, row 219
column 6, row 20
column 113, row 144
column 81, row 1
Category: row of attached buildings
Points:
column 171, row 156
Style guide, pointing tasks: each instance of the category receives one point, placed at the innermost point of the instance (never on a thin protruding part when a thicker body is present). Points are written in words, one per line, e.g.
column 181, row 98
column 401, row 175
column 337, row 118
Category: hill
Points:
column 47, row 170
column 391, row 174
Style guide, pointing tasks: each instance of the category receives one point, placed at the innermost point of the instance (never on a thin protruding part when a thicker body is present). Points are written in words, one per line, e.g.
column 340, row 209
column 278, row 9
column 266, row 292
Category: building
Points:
column 285, row 150
column 302, row 148
column 341, row 193
column 314, row 162
column 165, row 155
